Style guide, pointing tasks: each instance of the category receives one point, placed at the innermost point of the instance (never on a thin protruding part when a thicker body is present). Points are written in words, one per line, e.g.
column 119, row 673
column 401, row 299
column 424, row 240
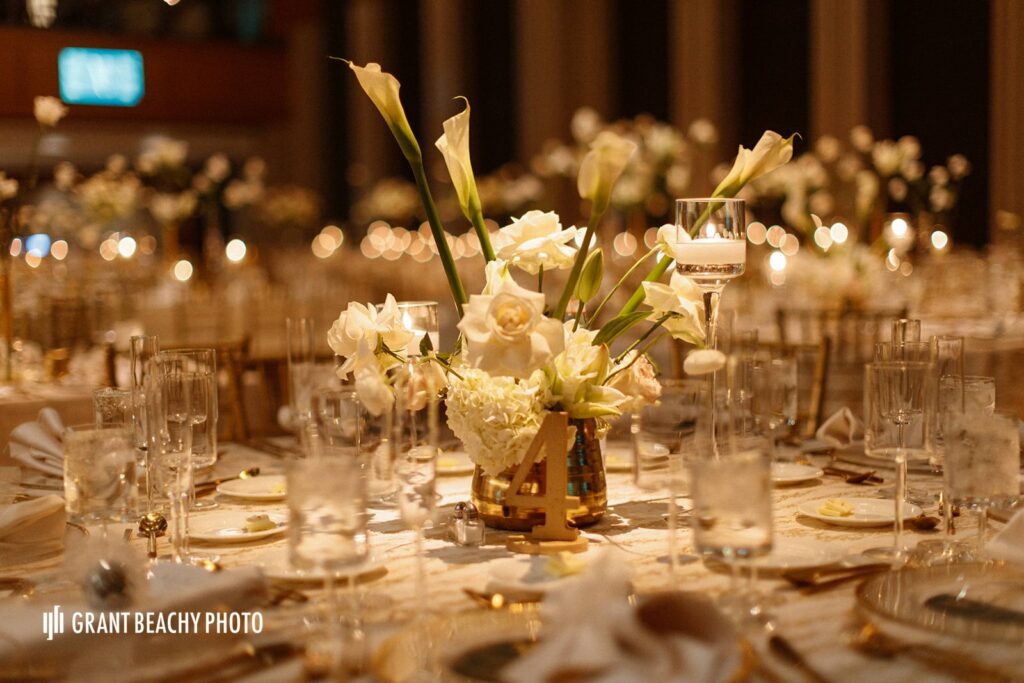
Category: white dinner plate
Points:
column 454, row 463
column 523, row 575
column 279, row 569
column 228, row 526
column 618, row 457
column 788, row 473
column 265, row 487
column 867, row 512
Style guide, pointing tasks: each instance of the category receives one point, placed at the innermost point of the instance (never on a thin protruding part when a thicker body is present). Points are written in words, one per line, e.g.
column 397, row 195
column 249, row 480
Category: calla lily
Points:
column 602, row 166
column 454, row 146
column 770, row 152
column 382, row 89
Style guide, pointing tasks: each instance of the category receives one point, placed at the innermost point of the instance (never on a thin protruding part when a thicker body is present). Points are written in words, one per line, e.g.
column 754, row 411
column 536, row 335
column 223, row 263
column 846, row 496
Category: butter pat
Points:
column 258, row 523
column 835, row 507
column 565, row 564
column 278, row 488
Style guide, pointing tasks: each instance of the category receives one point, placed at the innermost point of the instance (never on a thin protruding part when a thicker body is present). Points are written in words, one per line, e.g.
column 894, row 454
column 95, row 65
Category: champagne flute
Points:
column 301, row 370
column 142, row 351
column 710, row 249
column 201, row 365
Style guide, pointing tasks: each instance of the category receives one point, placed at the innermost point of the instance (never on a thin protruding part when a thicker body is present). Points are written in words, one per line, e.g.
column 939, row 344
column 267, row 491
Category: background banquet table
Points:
column 634, row 526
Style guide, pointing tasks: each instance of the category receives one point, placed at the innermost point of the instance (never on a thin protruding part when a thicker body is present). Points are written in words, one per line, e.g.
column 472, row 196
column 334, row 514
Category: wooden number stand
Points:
column 555, row 535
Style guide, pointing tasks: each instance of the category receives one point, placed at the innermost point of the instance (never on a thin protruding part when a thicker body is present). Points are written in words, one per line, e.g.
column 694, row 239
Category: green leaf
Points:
column 426, row 346
column 590, row 279
column 619, row 324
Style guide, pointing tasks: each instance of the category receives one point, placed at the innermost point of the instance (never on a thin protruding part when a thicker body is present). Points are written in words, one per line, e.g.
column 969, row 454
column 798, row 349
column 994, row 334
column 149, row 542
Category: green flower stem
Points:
column 481, row 233
column 645, row 335
column 540, row 279
column 639, row 355
column 622, row 281
column 581, row 256
column 579, row 316
column 653, row 276
column 437, row 230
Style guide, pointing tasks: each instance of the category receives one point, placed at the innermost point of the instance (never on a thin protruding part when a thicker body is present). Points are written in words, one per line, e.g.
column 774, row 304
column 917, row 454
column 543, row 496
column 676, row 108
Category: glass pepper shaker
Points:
column 465, row 526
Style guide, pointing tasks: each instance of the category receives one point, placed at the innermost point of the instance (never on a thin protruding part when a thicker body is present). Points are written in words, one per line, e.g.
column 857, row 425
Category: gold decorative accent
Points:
column 585, row 480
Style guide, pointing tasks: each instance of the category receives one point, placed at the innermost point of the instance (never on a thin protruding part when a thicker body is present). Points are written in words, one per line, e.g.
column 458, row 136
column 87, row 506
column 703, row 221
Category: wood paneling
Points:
column 1007, row 107
column 185, row 82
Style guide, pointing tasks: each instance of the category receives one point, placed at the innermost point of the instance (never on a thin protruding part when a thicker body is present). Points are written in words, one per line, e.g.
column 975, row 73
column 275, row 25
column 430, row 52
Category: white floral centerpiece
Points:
column 521, row 354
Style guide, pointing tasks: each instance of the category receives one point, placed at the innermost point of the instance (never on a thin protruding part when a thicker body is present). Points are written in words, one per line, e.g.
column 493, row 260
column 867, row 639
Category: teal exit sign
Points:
column 97, row 76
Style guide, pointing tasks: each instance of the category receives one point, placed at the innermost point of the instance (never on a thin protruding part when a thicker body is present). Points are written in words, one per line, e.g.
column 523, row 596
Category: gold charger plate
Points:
column 474, row 645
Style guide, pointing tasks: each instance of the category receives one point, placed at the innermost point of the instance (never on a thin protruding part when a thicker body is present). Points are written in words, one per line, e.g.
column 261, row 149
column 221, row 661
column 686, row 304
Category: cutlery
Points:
column 151, row 525
column 248, row 473
column 814, row 580
column 128, row 534
column 957, row 606
column 923, row 522
column 852, row 476
column 869, row 640
column 497, row 600
column 785, row 651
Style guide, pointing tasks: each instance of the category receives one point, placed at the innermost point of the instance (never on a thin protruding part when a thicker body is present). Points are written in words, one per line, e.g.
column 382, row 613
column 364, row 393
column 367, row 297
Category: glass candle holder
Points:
column 420, row 318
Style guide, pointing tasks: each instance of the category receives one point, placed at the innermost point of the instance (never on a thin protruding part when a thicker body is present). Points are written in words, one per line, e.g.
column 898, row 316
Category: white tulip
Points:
column 48, row 111
column 507, row 334
column 681, row 299
column 602, row 166
column 536, row 240
column 454, row 146
column 770, row 152
column 703, row 361
column 382, row 89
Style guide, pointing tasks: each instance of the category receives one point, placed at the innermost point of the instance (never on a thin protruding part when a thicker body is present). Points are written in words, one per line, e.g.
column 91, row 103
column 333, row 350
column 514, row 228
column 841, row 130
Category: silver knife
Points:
column 968, row 608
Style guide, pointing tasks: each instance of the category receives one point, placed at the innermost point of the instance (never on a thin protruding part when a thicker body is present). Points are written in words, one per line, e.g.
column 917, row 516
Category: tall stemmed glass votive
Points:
column 710, row 249
column 897, row 393
column 415, row 443
column 327, row 533
column 420, row 318
column 661, row 432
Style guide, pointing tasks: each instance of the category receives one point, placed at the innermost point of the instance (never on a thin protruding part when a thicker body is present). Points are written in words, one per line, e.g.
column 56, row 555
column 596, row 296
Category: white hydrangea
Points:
column 496, row 418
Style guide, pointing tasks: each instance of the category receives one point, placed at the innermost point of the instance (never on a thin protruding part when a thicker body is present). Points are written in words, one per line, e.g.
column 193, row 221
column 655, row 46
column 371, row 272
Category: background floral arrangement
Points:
column 520, row 354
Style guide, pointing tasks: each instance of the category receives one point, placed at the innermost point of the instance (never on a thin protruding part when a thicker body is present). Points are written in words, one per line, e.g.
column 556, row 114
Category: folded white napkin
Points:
column 31, row 529
column 841, row 429
column 1008, row 544
column 670, row 637
column 40, row 444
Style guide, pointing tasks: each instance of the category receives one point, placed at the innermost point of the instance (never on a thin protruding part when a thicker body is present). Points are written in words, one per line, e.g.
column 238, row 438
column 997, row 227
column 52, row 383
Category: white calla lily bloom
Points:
column 382, row 89
column 454, row 146
column 601, row 167
column 536, row 240
column 507, row 333
column 681, row 299
column 770, row 152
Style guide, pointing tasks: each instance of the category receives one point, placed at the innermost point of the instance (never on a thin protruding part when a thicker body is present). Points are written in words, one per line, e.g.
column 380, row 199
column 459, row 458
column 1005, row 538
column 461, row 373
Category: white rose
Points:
column 365, row 325
column 507, row 334
column 770, row 152
column 703, row 361
column 373, row 389
column 495, row 275
column 577, row 375
column 48, row 111
column 602, row 166
column 683, row 300
column 536, row 240
column 638, row 381
column 428, row 379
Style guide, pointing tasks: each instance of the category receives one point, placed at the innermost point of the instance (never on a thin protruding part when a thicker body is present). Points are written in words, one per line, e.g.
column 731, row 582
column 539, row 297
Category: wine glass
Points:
column 415, row 445
column 327, row 520
column 897, row 393
column 773, row 381
column 659, row 432
column 710, row 249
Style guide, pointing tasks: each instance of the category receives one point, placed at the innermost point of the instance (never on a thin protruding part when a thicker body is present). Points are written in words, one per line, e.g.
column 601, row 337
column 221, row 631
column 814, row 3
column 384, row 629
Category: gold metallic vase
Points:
column 586, row 480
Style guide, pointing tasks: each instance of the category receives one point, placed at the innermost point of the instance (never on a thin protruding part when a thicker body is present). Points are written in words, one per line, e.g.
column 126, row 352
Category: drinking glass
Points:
column 969, row 393
column 661, row 432
column 302, row 369
column 982, row 465
column 100, row 474
column 198, row 367
column 327, row 532
column 774, row 394
column 420, row 318
column 112, row 407
column 905, row 330
column 947, row 362
column 169, row 430
column 142, row 351
column 897, row 393
column 733, row 511
column 415, row 445
column 341, row 420
column 710, row 249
